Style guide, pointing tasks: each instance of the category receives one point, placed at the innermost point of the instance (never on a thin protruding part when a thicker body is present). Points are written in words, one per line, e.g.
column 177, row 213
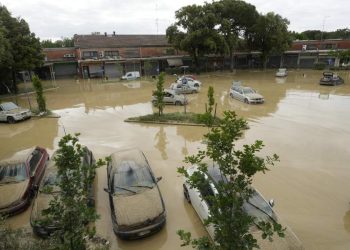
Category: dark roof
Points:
column 102, row 41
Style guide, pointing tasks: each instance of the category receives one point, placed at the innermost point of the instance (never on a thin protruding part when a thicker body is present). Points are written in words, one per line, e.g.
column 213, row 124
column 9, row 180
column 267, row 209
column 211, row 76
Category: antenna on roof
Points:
column 157, row 16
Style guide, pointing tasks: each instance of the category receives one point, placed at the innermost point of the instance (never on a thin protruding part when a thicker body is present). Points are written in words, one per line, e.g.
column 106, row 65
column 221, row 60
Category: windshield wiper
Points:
column 262, row 211
column 126, row 189
column 150, row 187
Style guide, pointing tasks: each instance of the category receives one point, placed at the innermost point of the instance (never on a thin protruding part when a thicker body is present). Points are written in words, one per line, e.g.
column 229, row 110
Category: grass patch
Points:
column 188, row 118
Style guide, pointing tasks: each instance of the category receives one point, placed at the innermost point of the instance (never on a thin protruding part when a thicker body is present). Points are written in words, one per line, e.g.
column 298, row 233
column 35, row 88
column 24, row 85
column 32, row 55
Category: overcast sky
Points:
column 64, row 18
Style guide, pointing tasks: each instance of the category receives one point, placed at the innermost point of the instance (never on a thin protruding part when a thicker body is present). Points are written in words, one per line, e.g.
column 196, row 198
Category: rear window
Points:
column 34, row 161
column 13, row 173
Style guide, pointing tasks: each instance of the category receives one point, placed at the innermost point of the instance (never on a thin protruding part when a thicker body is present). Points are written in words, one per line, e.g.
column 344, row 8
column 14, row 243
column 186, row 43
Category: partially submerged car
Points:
column 188, row 80
column 11, row 113
column 137, row 207
column 331, row 78
column 19, row 179
column 255, row 206
column 245, row 94
column 180, row 88
column 170, row 97
column 46, row 191
column 282, row 72
column 133, row 75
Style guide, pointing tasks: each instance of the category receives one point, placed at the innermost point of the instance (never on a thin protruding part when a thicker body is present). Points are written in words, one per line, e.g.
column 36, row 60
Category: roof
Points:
column 102, row 41
column 19, row 157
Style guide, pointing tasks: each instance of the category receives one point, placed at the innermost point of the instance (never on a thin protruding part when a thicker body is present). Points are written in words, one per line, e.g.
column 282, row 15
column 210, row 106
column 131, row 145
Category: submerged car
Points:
column 170, row 97
column 282, row 72
column 255, row 206
column 188, row 80
column 180, row 88
column 11, row 113
column 19, row 179
column 245, row 94
column 331, row 78
column 48, row 187
column 137, row 207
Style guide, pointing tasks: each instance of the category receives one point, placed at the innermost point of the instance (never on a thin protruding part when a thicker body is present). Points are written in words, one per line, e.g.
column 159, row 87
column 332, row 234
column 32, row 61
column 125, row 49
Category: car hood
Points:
column 254, row 95
column 12, row 192
column 137, row 208
column 289, row 241
column 41, row 203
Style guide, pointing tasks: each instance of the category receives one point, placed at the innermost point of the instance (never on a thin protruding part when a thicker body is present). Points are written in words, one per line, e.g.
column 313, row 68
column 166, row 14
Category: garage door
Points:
column 113, row 70
column 65, row 70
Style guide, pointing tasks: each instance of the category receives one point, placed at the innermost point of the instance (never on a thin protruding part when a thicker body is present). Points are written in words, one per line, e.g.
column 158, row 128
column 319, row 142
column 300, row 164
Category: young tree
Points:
column 69, row 209
column 40, row 99
column 231, row 222
column 208, row 118
column 159, row 94
column 269, row 35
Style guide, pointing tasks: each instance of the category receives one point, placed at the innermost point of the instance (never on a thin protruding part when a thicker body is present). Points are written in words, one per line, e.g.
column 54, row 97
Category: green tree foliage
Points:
column 40, row 99
column 194, row 32
column 234, row 18
column 232, row 224
column 159, row 94
column 270, row 36
column 208, row 118
column 64, row 42
column 69, row 210
column 318, row 34
column 23, row 49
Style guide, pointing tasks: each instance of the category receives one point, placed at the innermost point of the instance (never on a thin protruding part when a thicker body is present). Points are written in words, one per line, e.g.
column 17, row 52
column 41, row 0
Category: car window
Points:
column 0, row 108
column 13, row 173
column 9, row 106
column 34, row 161
column 248, row 91
column 206, row 192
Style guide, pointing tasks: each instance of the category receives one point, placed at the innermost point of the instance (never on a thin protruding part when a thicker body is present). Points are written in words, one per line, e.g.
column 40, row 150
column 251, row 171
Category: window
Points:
column 34, row 161
column 89, row 54
column 206, row 193
column 113, row 53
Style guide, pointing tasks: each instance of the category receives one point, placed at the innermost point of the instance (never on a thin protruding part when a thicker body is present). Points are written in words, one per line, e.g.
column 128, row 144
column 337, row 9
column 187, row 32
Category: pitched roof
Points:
column 102, row 41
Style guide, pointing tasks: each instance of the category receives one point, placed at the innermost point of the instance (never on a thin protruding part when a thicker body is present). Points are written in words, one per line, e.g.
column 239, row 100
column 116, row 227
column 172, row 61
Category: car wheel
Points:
column 177, row 103
column 246, row 101
column 11, row 120
column 196, row 85
column 231, row 95
column 186, row 194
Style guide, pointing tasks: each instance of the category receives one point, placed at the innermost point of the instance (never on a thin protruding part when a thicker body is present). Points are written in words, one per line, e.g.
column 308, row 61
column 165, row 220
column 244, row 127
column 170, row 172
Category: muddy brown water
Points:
column 306, row 124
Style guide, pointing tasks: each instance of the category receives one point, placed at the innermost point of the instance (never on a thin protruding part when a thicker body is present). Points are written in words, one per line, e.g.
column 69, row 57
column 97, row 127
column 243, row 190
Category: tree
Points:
column 269, row 35
column 69, row 209
column 159, row 94
column 234, row 18
column 40, row 99
column 208, row 117
column 194, row 32
column 64, row 42
column 24, row 49
column 231, row 223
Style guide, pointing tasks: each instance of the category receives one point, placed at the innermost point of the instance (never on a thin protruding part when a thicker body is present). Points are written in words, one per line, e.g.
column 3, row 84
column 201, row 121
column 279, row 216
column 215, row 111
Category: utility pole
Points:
column 323, row 23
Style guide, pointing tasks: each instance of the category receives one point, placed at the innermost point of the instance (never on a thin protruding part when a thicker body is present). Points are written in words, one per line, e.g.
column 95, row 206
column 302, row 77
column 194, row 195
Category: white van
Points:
column 131, row 75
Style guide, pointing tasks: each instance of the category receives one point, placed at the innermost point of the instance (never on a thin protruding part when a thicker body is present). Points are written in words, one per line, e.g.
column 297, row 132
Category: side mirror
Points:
column 159, row 178
column 271, row 202
column 106, row 190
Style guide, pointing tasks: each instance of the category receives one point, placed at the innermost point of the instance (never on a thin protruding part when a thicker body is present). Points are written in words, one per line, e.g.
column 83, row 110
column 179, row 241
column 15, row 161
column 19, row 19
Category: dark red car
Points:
column 19, row 179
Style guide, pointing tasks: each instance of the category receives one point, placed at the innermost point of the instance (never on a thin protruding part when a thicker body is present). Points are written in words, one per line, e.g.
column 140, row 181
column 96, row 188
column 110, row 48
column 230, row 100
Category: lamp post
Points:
column 25, row 86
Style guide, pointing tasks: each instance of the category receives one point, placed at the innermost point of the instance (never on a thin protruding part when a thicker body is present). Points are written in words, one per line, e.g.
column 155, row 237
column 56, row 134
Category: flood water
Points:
column 306, row 124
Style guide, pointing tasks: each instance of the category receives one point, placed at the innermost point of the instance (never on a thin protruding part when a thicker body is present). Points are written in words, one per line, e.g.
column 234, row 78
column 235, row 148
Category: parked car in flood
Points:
column 19, row 179
column 48, row 187
column 137, row 207
column 11, row 113
column 331, row 78
column 245, row 94
column 256, row 206
column 282, row 72
column 170, row 97
column 188, row 80
column 180, row 88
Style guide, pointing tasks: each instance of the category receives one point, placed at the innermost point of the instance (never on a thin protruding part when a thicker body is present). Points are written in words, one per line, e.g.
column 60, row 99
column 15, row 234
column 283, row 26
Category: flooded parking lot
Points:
column 306, row 124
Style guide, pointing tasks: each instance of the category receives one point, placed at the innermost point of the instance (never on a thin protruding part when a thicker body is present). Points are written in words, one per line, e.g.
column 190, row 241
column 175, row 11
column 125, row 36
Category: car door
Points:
column 167, row 97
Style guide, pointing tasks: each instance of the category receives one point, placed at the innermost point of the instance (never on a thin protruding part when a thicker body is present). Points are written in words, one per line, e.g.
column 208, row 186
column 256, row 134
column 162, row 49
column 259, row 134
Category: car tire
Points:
column 11, row 120
column 177, row 103
column 231, row 95
column 246, row 101
column 196, row 85
column 186, row 194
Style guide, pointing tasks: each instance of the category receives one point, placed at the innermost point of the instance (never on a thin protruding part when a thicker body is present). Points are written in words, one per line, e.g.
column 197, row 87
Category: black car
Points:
column 331, row 78
column 137, row 207
column 47, row 189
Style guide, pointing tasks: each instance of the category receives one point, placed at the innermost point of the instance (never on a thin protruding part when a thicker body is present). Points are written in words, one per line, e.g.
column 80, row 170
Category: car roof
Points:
column 19, row 157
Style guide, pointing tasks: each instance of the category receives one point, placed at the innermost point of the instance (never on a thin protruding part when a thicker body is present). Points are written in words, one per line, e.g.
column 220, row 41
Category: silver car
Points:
column 11, row 113
column 180, row 88
column 171, row 97
column 245, row 94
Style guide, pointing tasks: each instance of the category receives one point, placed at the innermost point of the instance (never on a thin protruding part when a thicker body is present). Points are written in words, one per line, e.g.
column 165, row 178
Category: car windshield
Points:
column 9, row 106
column 50, row 183
column 248, row 91
column 256, row 206
column 131, row 178
column 13, row 173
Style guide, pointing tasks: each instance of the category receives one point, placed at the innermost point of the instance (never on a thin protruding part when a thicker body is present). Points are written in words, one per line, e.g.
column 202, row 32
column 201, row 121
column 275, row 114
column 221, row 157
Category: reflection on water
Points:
column 346, row 220
column 306, row 124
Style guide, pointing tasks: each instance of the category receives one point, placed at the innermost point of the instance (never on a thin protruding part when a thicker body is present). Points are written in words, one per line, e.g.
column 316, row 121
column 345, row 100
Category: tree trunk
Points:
column 231, row 60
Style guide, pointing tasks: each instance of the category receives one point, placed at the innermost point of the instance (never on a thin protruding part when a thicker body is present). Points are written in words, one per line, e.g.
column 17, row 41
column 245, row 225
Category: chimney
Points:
column 105, row 33
column 113, row 33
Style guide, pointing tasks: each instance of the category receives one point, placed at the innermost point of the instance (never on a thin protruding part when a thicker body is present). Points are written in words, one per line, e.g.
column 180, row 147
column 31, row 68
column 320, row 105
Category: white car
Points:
column 256, row 206
column 11, row 113
column 170, row 97
column 245, row 94
column 282, row 72
column 186, row 80
column 180, row 88
column 133, row 75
